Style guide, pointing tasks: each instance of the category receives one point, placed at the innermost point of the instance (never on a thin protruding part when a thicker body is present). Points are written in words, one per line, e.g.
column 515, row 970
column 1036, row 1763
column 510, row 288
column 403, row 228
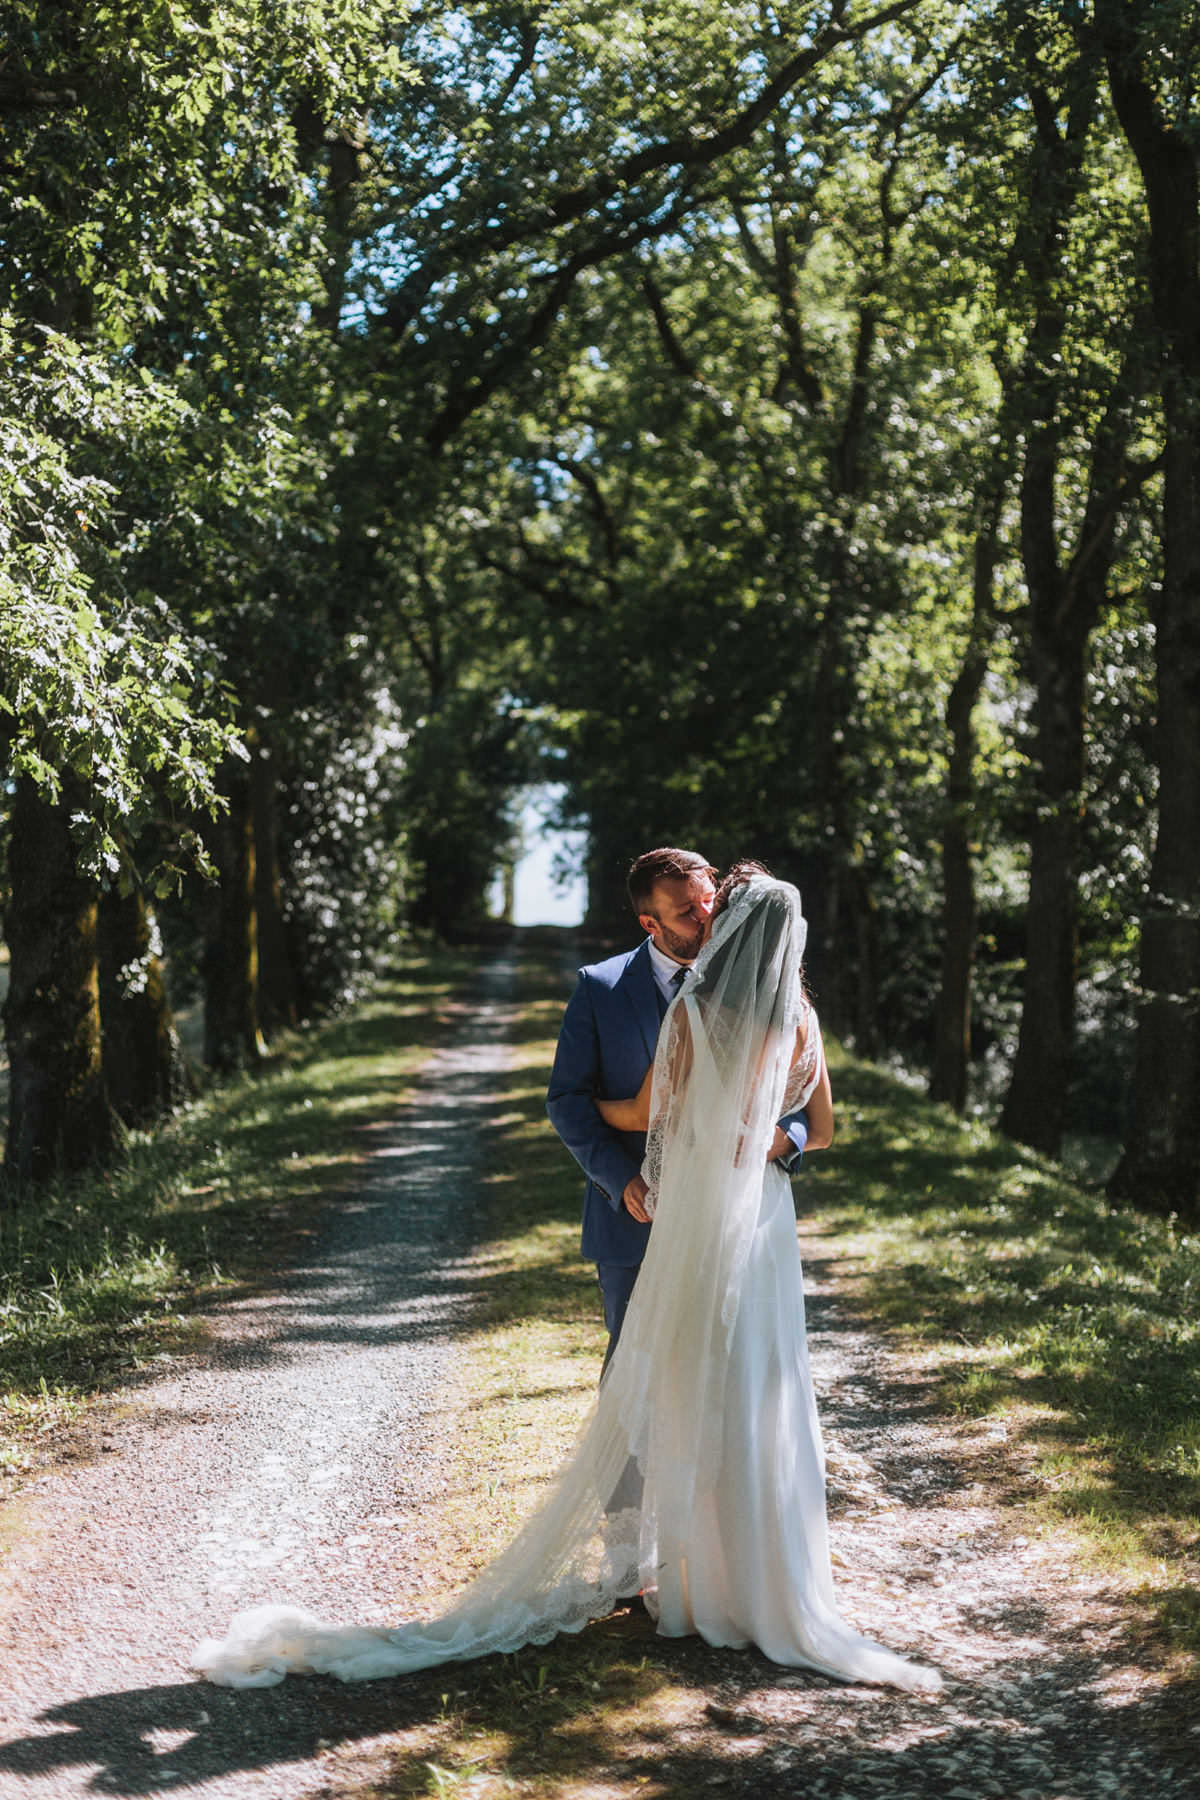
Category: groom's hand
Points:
column 634, row 1199
column 781, row 1145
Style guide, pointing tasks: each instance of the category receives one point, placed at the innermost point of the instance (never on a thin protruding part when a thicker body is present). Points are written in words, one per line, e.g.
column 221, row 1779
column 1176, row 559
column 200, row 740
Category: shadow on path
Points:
column 728, row 1721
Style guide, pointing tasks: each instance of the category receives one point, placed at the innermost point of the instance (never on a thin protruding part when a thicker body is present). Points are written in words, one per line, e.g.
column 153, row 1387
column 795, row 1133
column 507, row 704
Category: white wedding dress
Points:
column 709, row 1389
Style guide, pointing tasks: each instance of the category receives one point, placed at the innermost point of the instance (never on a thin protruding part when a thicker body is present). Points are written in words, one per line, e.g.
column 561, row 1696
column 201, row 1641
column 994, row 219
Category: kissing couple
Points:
column 698, row 1479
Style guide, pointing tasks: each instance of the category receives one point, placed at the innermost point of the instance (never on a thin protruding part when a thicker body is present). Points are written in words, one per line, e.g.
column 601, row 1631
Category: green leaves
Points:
column 94, row 682
column 414, row 364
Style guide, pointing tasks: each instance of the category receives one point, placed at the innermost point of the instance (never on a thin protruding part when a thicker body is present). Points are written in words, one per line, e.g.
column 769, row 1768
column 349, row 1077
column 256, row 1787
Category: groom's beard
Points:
column 687, row 949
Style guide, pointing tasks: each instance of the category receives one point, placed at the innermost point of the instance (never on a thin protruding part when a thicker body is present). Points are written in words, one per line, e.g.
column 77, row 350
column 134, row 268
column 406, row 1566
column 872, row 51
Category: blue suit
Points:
column 605, row 1046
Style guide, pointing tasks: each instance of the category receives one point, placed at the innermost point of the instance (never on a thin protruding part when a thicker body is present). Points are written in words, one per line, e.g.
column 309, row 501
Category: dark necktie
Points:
column 675, row 983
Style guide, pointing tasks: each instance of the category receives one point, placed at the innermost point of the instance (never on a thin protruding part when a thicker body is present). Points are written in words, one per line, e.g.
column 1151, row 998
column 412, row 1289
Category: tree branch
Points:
column 467, row 399
column 677, row 356
column 687, row 152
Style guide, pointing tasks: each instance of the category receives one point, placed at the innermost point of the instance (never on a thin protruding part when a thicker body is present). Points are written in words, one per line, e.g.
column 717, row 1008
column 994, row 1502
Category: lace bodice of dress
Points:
column 806, row 1071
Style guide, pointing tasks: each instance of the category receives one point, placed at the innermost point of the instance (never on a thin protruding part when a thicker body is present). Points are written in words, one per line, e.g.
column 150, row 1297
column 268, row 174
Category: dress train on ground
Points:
column 709, row 1390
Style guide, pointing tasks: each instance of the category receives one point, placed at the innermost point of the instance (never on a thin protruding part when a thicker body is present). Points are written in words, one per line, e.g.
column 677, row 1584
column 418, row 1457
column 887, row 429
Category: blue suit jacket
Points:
column 605, row 1046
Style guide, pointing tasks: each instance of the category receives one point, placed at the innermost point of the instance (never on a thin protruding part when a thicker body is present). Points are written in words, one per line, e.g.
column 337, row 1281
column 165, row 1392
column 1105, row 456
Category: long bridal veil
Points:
column 721, row 1069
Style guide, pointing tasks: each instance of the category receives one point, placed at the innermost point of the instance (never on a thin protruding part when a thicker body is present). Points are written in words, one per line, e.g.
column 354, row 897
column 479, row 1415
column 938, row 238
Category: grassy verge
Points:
column 98, row 1277
column 1074, row 1323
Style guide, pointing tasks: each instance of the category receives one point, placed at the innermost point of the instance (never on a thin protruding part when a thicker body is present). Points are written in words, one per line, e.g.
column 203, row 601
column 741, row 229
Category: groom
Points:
column 605, row 1046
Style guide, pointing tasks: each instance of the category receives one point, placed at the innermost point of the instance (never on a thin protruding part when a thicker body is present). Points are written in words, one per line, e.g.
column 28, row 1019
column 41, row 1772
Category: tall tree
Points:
column 950, row 1071
column 1066, row 562
column 108, row 721
column 1151, row 60
column 141, row 215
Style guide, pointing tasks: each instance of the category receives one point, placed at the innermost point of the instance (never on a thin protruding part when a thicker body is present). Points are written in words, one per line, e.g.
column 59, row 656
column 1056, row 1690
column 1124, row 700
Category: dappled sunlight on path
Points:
column 295, row 1454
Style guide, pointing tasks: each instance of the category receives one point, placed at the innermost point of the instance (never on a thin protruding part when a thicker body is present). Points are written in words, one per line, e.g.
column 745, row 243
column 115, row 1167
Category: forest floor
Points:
column 359, row 1426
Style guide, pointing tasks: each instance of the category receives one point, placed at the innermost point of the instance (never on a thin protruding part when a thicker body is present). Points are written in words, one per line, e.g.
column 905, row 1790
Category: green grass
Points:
column 98, row 1276
column 1075, row 1322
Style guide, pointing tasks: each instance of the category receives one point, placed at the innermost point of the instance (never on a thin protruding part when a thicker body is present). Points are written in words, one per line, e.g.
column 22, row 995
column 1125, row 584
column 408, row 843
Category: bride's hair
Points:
column 735, row 877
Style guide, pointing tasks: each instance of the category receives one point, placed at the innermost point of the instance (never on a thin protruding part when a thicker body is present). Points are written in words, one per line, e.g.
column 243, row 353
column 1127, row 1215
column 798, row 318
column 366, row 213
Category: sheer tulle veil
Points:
column 723, row 1060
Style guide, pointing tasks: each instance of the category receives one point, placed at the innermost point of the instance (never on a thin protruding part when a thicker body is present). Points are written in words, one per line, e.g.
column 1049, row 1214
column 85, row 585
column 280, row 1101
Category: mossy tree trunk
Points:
column 144, row 1067
column 278, row 993
column 232, row 1031
column 60, row 1119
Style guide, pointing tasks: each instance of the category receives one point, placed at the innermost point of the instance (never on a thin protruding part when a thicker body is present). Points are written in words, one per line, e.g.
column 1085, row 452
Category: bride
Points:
column 709, row 1388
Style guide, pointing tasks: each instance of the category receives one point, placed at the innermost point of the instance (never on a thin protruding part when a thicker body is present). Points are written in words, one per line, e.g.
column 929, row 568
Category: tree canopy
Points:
column 772, row 421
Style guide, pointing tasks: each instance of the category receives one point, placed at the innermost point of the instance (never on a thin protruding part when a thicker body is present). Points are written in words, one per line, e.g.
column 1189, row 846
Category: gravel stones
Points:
column 299, row 1455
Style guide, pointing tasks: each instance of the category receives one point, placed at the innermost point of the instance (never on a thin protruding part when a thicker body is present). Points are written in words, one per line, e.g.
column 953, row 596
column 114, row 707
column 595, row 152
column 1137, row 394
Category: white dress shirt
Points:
column 665, row 970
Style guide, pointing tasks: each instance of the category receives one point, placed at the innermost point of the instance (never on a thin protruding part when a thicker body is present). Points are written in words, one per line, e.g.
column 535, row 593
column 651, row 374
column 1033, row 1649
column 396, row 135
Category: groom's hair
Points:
column 662, row 865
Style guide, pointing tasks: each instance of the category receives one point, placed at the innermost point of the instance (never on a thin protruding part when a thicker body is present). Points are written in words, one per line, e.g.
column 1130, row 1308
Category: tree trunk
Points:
column 278, row 1002
column 960, row 920
column 960, row 907
column 608, row 908
column 232, row 1037
column 837, row 990
column 865, row 923
column 853, row 998
column 949, row 1076
column 59, row 1115
column 1035, row 1107
column 1065, row 602
column 1161, row 1164
column 144, row 1067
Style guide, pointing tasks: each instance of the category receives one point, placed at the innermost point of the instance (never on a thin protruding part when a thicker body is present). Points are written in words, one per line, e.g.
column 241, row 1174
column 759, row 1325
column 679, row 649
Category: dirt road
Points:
column 300, row 1456
column 295, row 1457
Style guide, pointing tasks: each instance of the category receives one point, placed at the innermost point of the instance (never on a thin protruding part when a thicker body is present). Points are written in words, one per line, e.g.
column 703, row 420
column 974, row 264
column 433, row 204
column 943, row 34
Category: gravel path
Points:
column 264, row 1468
column 267, row 1467
column 935, row 1553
